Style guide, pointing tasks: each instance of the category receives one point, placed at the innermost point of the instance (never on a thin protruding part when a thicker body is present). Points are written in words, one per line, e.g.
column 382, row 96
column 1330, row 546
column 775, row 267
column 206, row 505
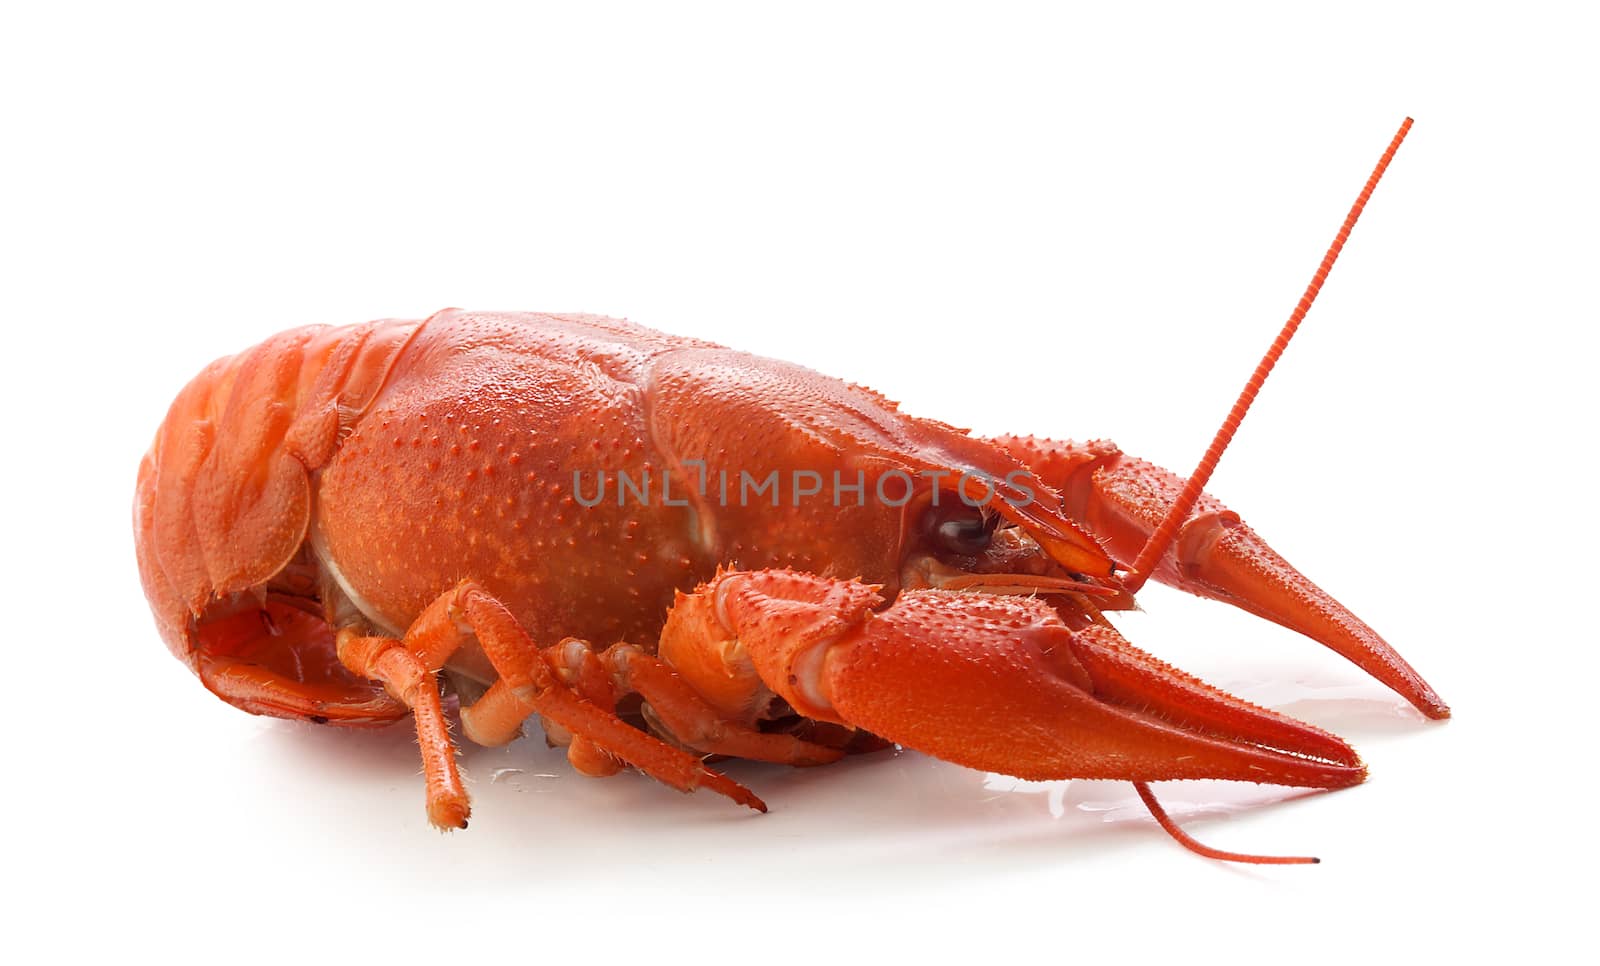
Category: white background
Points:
column 1057, row 220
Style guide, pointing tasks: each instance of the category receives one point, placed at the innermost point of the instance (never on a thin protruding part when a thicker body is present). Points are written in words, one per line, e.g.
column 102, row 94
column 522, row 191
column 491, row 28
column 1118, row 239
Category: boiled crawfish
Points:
column 340, row 524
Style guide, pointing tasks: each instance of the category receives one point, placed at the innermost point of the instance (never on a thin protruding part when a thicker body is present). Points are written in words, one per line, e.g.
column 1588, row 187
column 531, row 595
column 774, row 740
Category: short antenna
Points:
column 1164, row 534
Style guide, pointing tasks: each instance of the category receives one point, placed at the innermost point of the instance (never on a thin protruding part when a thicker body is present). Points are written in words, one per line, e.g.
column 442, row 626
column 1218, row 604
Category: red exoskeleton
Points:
column 669, row 550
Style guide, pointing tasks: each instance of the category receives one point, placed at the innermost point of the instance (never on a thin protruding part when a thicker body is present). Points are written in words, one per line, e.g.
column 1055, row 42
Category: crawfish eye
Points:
column 962, row 529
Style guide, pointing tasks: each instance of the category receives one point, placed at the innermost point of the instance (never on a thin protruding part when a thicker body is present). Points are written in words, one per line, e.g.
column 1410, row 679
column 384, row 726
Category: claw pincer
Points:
column 1123, row 500
column 994, row 683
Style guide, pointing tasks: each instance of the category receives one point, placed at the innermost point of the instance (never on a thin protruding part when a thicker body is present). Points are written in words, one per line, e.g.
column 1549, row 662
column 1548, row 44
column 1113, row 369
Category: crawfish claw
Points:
column 1122, row 500
column 1002, row 684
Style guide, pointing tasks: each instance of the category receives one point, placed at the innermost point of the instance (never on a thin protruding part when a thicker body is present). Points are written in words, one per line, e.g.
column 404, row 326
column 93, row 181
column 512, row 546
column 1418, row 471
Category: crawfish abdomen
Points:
column 224, row 496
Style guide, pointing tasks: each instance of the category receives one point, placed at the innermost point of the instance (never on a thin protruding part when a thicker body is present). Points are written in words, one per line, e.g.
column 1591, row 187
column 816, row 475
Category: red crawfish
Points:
column 670, row 551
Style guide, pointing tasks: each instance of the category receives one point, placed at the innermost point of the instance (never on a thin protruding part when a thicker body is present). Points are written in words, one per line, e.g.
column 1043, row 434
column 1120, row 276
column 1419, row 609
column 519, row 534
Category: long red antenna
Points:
column 1164, row 534
column 1188, row 841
